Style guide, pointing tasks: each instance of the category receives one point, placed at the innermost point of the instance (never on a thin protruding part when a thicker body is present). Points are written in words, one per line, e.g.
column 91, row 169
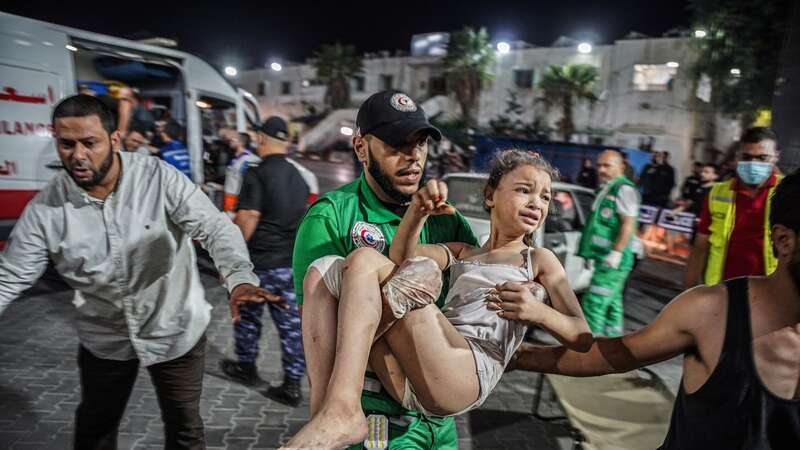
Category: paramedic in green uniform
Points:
column 605, row 242
column 392, row 144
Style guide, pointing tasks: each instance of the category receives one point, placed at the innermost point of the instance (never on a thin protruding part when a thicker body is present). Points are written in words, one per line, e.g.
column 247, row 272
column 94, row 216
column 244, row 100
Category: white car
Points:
column 561, row 232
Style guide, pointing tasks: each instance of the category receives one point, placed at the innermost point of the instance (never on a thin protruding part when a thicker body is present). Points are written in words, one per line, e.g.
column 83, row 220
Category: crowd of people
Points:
column 383, row 296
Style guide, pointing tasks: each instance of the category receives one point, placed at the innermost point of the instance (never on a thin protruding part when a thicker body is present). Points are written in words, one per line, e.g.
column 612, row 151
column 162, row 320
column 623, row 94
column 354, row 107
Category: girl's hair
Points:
column 508, row 160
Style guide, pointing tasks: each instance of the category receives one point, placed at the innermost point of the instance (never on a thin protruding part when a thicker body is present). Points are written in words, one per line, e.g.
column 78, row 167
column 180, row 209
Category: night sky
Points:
column 248, row 34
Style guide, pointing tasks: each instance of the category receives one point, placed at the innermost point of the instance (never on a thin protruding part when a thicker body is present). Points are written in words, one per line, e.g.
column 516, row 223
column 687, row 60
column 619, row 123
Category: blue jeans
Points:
column 248, row 331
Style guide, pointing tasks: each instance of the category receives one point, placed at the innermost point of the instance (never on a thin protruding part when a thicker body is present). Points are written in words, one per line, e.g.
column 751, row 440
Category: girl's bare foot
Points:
column 330, row 429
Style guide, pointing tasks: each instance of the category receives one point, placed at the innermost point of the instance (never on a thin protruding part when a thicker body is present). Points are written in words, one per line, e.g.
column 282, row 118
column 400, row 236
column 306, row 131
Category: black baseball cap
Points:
column 275, row 127
column 393, row 117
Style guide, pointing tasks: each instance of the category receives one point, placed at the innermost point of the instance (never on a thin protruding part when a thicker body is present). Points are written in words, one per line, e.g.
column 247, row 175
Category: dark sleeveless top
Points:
column 733, row 410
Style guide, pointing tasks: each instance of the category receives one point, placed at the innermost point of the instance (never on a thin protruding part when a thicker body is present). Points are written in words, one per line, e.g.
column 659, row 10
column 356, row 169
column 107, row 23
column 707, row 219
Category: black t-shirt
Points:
column 276, row 189
column 689, row 185
column 734, row 410
column 657, row 181
column 588, row 177
column 697, row 194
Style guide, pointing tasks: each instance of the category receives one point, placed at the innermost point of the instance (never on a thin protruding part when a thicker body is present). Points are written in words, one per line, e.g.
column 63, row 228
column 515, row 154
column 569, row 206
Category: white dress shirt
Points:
column 130, row 258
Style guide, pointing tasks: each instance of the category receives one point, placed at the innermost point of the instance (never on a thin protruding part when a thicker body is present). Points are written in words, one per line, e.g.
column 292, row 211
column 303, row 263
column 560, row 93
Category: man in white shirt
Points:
column 118, row 228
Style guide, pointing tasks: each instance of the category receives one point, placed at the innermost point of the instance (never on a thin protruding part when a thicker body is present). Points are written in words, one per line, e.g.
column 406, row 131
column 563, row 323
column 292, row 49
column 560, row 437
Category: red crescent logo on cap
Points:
column 402, row 102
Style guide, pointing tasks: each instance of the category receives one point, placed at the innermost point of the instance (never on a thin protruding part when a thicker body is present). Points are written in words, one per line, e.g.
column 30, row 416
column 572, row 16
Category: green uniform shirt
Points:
column 352, row 217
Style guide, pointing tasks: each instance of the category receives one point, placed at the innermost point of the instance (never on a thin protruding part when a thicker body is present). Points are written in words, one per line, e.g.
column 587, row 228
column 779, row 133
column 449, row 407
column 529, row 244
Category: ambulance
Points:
column 42, row 63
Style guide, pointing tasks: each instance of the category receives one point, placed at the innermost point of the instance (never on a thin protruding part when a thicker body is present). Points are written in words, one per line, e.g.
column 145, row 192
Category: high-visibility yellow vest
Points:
column 722, row 206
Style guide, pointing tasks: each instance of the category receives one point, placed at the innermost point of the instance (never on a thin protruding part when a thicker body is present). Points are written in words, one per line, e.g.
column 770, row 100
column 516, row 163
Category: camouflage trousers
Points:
column 248, row 331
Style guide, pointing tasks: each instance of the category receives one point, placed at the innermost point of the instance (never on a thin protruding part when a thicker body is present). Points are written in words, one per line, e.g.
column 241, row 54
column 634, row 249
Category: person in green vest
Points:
column 605, row 244
column 392, row 145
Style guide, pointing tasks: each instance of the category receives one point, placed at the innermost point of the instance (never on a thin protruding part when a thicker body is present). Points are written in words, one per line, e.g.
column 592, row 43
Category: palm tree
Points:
column 564, row 85
column 467, row 66
column 336, row 64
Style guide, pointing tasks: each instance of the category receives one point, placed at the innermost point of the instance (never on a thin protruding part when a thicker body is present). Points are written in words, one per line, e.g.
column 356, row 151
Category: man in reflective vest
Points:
column 605, row 241
column 734, row 222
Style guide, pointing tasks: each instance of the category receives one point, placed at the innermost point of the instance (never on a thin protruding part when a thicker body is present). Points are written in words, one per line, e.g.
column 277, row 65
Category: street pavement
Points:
column 39, row 385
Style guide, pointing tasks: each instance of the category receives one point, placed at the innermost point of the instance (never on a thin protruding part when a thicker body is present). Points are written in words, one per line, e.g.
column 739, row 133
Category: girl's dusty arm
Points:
column 429, row 200
column 564, row 320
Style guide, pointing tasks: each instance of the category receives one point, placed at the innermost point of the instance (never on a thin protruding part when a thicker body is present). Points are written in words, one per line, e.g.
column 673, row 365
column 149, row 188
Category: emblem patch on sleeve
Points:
column 368, row 235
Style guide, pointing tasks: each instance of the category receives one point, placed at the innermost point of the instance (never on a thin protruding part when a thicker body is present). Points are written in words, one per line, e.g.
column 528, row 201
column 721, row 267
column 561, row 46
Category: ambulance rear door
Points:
column 35, row 73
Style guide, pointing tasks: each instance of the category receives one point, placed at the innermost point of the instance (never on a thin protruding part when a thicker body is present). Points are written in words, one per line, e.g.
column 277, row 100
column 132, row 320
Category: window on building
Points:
column 262, row 89
column 438, row 86
column 653, row 77
column 358, row 83
column 387, row 82
column 523, row 78
column 286, row 88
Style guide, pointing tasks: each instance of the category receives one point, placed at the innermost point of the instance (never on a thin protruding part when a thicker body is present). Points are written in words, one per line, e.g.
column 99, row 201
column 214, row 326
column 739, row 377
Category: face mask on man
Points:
column 753, row 172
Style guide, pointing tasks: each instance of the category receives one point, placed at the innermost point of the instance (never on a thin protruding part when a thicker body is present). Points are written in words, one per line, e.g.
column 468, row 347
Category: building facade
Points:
column 647, row 99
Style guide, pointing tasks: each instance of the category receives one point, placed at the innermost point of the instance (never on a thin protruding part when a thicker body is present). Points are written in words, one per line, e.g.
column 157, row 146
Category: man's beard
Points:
column 97, row 175
column 382, row 178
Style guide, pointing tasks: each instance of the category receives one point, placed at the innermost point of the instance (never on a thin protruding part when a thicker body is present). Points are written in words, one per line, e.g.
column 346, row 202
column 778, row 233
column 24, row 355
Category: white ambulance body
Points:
column 42, row 63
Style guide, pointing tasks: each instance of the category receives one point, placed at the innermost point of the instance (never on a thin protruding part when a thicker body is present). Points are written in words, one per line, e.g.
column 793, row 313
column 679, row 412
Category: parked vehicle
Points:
column 42, row 63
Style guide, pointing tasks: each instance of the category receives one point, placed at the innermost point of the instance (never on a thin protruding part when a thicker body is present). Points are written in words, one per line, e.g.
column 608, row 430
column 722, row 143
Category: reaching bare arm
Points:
column 247, row 221
column 697, row 261
column 625, row 232
column 672, row 333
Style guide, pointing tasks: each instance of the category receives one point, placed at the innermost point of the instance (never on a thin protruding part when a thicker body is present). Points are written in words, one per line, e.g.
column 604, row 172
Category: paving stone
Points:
column 249, row 410
column 28, row 445
column 151, row 439
column 215, row 437
column 137, row 423
column 62, row 412
column 272, row 421
column 271, row 437
column 7, row 438
column 128, row 440
column 243, row 428
column 229, row 402
column 45, row 431
column 61, row 441
column 26, row 421
column 239, row 444
column 46, row 401
column 221, row 418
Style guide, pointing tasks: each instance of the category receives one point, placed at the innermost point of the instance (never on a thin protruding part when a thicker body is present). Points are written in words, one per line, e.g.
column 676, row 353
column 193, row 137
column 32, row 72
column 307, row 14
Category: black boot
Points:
column 244, row 373
column 287, row 393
